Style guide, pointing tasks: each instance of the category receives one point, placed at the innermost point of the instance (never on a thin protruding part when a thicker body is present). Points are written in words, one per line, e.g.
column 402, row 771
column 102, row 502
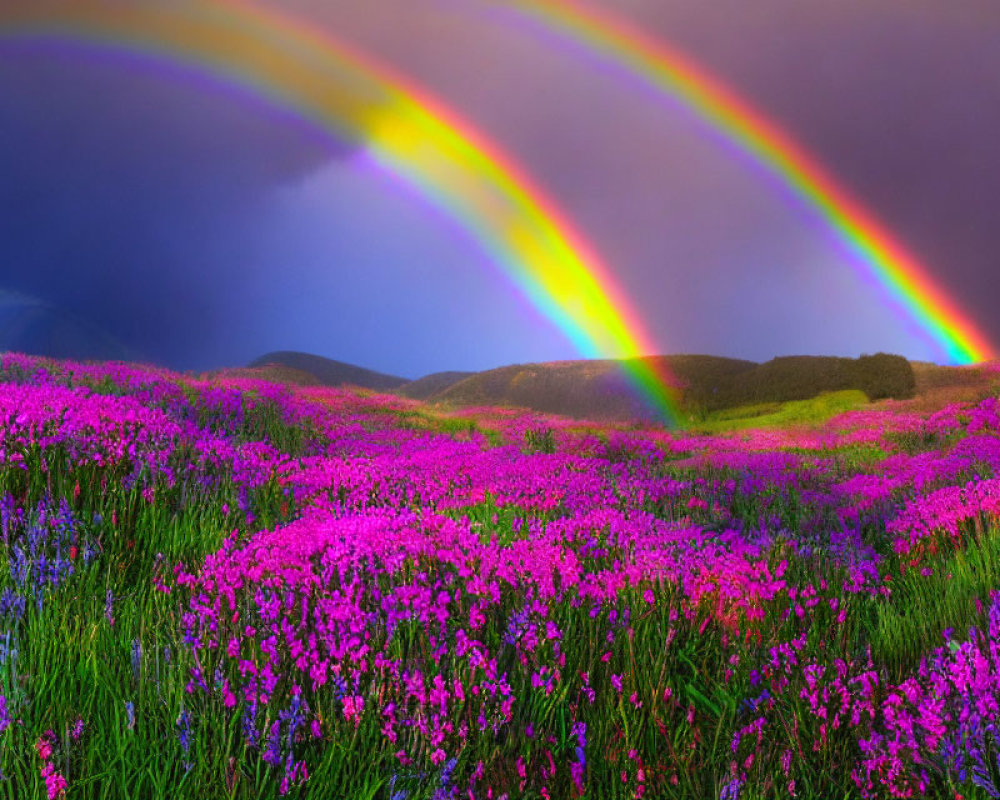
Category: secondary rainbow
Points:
column 305, row 70
column 671, row 73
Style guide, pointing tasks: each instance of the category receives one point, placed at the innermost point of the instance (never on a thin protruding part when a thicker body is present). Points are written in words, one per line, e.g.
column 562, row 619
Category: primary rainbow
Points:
column 672, row 74
column 301, row 68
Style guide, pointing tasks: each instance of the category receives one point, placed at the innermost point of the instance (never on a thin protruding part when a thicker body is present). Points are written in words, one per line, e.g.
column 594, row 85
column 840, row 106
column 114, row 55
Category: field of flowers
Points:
column 240, row 590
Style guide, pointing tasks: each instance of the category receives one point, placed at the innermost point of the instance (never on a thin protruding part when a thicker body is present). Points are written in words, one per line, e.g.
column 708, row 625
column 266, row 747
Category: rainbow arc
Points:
column 306, row 70
column 672, row 75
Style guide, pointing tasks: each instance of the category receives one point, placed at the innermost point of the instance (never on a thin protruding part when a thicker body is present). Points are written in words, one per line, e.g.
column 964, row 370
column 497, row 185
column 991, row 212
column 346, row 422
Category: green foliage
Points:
column 540, row 440
column 790, row 378
column 883, row 376
column 806, row 413
column 921, row 605
column 424, row 420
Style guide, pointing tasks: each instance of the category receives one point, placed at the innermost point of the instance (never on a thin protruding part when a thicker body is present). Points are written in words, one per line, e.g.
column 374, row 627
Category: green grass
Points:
column 795, row 413
column 73, row 663
column 910, row 623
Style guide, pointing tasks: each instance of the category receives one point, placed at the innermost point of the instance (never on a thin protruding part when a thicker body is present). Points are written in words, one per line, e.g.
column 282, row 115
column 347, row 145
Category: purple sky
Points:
column 198, row 226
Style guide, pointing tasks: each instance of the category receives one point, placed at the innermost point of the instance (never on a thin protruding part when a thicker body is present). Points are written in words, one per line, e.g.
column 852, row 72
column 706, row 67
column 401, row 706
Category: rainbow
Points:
column 670, row 73
column 328, row 84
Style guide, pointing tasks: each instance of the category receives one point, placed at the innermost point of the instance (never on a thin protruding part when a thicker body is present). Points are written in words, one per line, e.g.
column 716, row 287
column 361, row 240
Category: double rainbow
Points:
column 328, row 84
column 299, row 68
column 880, row 259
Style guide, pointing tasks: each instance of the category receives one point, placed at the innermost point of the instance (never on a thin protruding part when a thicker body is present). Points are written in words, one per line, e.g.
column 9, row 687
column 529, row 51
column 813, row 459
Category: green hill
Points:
column 591, row 389
column 600, row 389
column 329, row 372
column 803, row 377
column 431, row 385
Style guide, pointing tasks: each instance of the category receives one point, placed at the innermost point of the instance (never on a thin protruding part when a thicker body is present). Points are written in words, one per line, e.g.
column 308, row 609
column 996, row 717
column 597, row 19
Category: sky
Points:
column 156, row 212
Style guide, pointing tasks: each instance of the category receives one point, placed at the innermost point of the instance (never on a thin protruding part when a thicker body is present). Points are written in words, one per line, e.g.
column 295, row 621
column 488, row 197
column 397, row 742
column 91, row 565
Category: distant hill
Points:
column 933, row 376
column 273, row 373
column 329, row 372
column 430, row 385
column 704, row 381
column 592, row 389
column 601, row 389
column 938, row 386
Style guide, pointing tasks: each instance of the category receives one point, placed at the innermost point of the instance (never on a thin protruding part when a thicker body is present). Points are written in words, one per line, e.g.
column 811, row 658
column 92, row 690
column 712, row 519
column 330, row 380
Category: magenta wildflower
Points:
column 55, row 783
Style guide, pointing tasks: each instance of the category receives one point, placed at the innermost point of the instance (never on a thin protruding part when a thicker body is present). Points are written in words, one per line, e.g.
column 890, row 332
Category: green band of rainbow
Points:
column 883, row 260
column 327, row 83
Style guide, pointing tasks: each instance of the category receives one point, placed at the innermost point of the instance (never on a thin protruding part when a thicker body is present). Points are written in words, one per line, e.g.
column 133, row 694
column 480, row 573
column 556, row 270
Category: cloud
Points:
column 123, row 177
column 31, row 325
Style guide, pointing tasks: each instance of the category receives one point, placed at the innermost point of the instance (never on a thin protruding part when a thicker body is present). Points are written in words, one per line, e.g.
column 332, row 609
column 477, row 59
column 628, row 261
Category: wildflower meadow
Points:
column 238, row 589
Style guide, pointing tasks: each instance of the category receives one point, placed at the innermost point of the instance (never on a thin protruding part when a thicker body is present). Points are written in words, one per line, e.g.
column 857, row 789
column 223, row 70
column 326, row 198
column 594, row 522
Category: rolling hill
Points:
column 433, row 384
column 601, row 389
column 592, row 389
column 329, row 372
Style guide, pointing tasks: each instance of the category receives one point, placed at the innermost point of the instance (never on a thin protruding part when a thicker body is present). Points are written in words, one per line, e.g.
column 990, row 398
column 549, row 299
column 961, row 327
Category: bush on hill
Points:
column 882, row 376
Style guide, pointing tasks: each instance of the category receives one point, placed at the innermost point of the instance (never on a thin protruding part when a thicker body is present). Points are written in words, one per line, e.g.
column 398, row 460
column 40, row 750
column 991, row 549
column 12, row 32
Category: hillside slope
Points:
column 329, row 372
column 593, row 389
column 433, row 384
column 601, row 389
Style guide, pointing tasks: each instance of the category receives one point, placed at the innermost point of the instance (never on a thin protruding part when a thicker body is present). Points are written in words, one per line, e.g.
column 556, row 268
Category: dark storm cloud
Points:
column 119, row 173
